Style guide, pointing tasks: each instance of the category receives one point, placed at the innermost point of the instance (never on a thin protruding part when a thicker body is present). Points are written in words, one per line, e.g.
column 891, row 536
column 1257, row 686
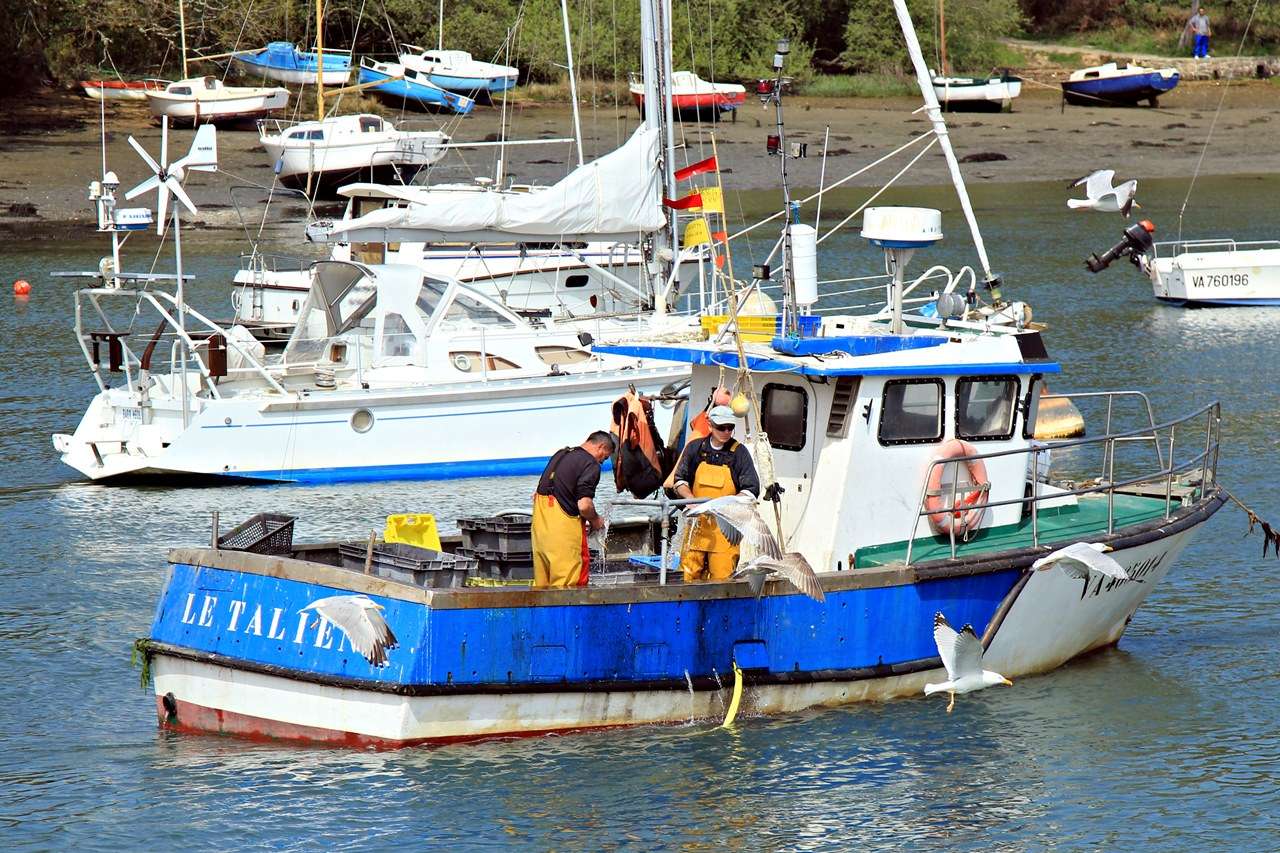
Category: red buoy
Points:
column 21, row 287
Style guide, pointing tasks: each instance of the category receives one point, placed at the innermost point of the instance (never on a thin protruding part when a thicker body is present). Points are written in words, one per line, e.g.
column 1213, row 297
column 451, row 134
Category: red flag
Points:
column 707, row 165
column 691, row 200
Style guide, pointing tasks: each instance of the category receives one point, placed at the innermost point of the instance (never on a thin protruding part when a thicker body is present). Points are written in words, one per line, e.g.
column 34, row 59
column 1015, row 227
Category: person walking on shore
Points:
column 1198, row 28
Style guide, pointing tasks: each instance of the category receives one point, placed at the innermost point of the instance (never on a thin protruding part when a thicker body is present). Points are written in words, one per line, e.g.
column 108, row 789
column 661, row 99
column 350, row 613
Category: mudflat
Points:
column 51, row 147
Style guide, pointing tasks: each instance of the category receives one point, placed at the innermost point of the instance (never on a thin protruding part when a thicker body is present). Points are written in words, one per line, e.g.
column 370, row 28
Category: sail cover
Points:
column 616, row 197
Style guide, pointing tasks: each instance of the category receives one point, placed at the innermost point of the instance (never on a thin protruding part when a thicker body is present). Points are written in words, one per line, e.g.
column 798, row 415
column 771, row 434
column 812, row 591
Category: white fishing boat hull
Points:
column 445, row 430
column 1048, row 624
column 1218, row 273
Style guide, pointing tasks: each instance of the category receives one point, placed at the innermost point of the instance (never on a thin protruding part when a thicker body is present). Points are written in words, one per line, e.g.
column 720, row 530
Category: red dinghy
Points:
column 135, row 90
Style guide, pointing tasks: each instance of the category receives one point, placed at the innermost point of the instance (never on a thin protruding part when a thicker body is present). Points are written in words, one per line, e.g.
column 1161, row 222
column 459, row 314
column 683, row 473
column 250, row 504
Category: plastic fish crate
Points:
column 506, row 565
column 511, row 533
column 410, row 564
column 264, row 533
column 760, row 328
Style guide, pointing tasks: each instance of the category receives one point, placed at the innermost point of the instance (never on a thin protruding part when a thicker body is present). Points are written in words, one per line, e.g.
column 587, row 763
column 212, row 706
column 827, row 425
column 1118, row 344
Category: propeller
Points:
column 168, row 177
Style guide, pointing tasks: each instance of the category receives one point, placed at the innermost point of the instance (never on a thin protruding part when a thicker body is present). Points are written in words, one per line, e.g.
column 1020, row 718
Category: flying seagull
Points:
column 1102, row 196
column 359, row 617
column 1081, row 560
column 962, row 656
column 791, row 567
column 738, row 519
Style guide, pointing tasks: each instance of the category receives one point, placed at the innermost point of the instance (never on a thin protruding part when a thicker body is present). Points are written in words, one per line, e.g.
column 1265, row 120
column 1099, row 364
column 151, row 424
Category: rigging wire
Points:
column 1212, row 124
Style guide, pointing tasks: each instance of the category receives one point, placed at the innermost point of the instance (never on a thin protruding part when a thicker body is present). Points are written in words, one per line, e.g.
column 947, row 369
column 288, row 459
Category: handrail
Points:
column 1108, row 484
column 664, row 505
column 1223, row 244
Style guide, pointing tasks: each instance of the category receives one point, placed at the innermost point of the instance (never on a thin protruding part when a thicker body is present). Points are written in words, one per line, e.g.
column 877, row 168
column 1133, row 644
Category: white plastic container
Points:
column 804, row 264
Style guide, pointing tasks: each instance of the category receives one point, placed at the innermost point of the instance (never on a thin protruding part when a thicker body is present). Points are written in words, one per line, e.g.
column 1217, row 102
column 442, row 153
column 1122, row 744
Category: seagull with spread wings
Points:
column 1102, row 195
column 1082, row 560
column 791, row 567
column 738, row 519
column 962, row 656
column 360, row 619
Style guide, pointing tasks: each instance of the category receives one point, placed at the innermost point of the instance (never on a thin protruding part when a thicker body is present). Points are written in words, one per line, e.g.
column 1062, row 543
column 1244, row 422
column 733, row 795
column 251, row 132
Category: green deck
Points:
column 1086, row 520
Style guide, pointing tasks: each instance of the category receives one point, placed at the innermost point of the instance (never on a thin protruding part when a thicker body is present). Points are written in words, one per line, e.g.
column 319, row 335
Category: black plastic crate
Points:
column 409, row 564
column 512, row 566
column 264, row 533
column 509, row 533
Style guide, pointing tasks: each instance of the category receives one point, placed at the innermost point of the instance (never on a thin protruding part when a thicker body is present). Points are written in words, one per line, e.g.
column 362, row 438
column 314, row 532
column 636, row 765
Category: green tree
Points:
column 874, row 41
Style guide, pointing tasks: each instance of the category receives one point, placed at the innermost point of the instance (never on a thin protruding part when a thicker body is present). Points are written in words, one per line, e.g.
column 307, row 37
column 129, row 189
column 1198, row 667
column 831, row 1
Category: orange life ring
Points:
column 967, row 512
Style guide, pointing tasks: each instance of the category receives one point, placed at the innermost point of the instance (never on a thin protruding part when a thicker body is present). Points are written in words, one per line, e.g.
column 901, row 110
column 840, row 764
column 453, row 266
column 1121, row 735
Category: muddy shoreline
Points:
column 51, row 148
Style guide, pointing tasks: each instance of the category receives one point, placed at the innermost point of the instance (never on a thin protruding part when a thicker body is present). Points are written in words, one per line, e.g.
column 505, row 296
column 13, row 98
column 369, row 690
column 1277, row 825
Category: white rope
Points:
column 880, row 191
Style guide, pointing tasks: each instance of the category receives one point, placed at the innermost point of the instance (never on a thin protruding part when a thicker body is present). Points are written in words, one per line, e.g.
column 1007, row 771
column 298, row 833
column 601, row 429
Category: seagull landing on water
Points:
column 1081, row 560
column 791, row 567
column 1102, row 196
column 360, row 619
column 962, row 656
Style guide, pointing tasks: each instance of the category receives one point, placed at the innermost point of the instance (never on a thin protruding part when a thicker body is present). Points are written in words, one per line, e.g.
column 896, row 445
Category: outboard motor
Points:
column 1137, row 243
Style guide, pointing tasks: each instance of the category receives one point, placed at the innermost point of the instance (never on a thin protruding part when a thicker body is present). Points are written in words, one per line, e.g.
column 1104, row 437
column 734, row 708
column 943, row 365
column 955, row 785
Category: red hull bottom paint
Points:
column 707, row 101
column 197, row 719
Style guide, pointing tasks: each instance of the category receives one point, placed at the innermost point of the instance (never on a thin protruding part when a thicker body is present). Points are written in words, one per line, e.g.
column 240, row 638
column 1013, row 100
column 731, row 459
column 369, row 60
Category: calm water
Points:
column 1169, row 741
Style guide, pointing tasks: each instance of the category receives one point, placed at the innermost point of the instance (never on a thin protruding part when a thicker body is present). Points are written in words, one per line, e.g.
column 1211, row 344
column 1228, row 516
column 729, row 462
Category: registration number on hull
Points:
column 1230, row 279
column 131, row 414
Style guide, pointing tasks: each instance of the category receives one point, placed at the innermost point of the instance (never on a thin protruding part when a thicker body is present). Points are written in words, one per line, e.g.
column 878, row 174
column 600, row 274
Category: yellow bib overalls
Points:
column 709, row 556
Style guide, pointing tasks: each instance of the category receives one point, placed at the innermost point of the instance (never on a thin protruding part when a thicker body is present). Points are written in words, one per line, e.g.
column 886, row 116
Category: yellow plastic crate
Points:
column 754, row 327
column 413, row 528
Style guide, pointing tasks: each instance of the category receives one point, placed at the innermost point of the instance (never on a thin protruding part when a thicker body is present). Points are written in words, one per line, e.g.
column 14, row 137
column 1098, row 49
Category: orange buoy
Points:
column 21, row 287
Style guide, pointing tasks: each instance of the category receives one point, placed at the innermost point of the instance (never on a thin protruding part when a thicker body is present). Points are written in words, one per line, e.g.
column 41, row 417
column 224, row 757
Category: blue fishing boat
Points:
column 903, row 489
column 1118, row 84
column 402, row 84
column 283, row 61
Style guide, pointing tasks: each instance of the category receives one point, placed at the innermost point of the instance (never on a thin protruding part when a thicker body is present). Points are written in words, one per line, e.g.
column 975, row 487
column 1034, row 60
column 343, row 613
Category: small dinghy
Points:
column 207, row 100
column 1112, row 83
column 121, row 90
column 282, row 61
column 977, row 94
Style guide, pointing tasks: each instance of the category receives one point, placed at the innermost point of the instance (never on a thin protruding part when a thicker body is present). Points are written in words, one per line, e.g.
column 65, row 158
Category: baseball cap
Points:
column 721, row 415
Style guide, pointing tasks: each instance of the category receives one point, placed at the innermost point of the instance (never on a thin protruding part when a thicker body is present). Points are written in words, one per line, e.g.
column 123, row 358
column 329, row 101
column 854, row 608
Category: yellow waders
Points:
column 709, row 555
column 560, row 555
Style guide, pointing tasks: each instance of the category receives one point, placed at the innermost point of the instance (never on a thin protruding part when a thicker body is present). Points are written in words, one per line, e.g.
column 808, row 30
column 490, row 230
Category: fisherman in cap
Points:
column 713, row 467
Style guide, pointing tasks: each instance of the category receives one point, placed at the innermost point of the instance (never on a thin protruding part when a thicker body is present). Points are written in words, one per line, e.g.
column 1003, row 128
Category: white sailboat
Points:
column 207, row 100
column 319, row 156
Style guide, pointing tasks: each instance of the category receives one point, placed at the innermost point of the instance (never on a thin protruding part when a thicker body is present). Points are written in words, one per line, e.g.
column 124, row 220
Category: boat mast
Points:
column 573, row 83
column 942, row 36
column 440, row 18
column 319, row 60
column 934, row 112
column 182, row 29
column 655, row 65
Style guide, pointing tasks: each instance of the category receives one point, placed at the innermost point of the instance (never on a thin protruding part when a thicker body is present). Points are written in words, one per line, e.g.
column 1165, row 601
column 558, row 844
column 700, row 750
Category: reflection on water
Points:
column 1169, row 740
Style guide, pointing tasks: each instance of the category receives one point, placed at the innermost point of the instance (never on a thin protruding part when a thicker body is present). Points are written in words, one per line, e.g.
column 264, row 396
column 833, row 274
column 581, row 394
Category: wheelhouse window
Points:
column 397, row 337
column 785, row 415
column 1031, row 406
column 985, row 408
column 911, row 412
column 369, row 124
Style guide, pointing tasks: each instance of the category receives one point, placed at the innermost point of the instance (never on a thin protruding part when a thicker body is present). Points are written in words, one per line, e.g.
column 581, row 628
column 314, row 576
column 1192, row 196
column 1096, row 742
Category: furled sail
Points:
column 617, row 197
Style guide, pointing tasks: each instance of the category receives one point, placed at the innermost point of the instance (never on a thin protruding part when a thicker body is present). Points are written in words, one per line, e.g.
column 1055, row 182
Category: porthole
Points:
column 579, row 280
column 462, row 361
column 362, row 420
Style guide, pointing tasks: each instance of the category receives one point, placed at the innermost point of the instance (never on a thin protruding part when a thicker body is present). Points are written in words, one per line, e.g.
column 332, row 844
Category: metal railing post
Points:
column 1111, row 485
column 1035, row 497
column 1168, row 478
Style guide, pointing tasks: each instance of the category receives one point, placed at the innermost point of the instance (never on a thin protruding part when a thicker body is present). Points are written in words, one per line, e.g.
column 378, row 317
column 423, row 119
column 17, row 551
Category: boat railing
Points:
column 260, row 262
column 185, row 348
column 1166, row 472
column 1181, row 247
column 664, row 505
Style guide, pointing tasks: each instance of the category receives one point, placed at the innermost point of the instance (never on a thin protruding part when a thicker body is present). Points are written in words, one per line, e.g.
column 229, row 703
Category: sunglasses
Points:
column 723, row 428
